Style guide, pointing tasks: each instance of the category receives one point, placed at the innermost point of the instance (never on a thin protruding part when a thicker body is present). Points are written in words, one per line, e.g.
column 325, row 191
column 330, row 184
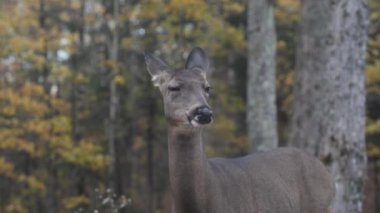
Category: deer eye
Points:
column 174, row 88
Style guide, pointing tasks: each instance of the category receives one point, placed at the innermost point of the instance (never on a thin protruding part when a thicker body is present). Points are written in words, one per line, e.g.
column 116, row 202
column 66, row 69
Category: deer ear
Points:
column 197, row 60
column 156, row 67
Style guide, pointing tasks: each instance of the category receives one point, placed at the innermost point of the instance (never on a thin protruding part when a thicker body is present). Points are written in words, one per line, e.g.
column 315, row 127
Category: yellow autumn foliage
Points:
column 373, row 73
column 6, row 168
column 18, row 144
column 373, row 150
column 15, row 206
column 37, row 126
column 85, row 154
column 74, row 202
column 33, row 183
column 120, row 80
column 373, row 127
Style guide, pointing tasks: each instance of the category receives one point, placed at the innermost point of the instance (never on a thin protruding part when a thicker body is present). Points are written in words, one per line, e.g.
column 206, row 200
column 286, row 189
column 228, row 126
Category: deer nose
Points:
column 203, row 114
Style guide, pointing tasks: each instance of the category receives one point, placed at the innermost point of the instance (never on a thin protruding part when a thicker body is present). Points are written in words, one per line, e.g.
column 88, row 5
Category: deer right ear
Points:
column 197, row 59
column 156, row 67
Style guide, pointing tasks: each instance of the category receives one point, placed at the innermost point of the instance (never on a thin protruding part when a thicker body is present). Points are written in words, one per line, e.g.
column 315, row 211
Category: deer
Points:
column 282, row 180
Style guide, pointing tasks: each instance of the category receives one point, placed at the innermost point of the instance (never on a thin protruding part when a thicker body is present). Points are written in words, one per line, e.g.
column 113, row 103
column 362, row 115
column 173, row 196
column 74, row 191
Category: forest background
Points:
column 81, row 126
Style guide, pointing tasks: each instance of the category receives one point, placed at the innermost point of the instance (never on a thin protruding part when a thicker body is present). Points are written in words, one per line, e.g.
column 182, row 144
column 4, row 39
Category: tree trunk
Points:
column 50, row 200
column 261, row 87
column 328, row 117
column 42, row 23
column 114, row 50
column 77, row 65
column 150, row 138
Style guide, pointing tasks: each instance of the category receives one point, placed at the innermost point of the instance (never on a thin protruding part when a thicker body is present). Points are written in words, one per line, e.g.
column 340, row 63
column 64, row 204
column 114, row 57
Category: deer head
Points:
column 185, row 91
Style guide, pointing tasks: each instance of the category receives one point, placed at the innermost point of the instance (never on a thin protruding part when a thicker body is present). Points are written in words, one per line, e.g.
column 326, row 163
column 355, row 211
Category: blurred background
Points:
column 81, row 125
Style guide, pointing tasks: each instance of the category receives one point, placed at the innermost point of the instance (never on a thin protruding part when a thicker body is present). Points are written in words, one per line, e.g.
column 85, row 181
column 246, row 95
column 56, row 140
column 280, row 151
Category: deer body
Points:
column 285, row 180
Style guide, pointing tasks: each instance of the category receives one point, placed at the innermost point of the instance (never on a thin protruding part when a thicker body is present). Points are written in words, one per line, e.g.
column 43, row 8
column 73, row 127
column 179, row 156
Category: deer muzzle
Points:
column 202, row 115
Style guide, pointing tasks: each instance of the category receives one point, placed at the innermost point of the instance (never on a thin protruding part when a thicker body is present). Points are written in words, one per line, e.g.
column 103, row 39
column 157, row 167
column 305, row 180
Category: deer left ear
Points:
column 197, row 60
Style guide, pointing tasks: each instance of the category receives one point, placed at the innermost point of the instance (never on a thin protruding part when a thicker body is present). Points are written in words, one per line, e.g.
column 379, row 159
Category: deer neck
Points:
column 188, row 169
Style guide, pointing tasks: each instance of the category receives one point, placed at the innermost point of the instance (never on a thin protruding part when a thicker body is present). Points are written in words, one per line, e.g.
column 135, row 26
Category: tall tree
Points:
column 113, row 98
column 261, row 87
column 328, row 117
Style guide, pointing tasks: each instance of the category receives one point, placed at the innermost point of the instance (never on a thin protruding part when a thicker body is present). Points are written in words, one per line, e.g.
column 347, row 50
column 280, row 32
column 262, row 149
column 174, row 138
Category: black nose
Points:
column 203, row 114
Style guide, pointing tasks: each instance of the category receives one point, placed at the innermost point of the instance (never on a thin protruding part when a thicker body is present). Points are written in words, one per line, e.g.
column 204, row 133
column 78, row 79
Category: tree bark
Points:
column 77, row 65
column 328, row 117
column 50, row 200
column 150, row 138
column 114, row 99
column 261, row 87
column 42, row 23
